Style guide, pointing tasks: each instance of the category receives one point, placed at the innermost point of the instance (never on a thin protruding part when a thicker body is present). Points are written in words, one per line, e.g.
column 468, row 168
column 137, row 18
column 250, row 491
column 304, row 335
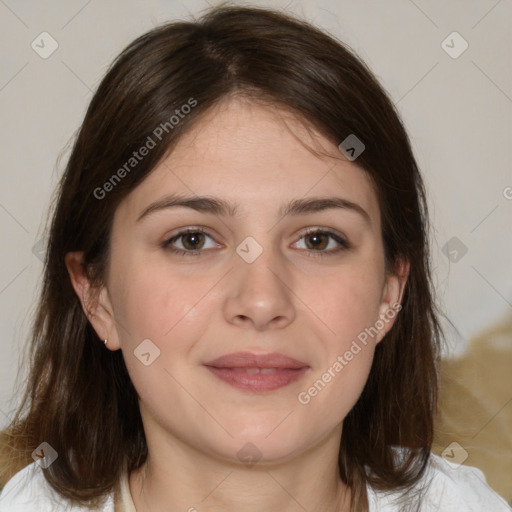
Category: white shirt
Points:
column 453, row 489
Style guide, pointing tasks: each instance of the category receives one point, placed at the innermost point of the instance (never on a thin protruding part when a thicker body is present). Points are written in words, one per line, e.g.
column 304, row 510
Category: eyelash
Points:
column 344, row 245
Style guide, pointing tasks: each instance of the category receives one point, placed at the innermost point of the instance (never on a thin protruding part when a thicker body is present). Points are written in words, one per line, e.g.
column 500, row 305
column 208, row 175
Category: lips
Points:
column 247, row 360
column 257, row 373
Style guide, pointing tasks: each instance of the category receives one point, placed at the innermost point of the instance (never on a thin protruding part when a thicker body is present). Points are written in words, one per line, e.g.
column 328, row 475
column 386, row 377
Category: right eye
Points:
column 192, row 242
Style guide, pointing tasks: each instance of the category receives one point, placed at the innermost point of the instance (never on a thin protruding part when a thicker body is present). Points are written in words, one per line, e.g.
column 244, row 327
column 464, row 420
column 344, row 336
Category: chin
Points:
column 256, row 446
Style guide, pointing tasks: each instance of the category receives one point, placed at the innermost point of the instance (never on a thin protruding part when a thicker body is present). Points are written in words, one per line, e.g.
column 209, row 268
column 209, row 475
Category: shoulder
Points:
column 445, row 487
column 28, row 491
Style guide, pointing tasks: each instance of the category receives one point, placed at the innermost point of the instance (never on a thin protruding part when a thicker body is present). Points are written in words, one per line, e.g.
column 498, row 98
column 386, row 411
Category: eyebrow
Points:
column 217, row 206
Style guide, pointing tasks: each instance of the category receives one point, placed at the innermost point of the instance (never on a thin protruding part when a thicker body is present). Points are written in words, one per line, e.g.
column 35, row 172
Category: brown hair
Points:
column 79, row 397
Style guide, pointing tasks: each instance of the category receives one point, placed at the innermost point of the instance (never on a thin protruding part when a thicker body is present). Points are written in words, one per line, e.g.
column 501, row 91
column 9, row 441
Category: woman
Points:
column 237, row 307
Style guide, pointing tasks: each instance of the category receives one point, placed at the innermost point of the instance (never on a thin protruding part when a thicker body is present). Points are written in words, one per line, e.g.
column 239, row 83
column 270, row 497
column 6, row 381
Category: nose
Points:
column 260, row 294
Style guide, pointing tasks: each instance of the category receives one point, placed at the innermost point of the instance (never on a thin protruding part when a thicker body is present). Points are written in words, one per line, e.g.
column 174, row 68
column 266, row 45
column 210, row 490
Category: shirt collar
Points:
column 123, row 501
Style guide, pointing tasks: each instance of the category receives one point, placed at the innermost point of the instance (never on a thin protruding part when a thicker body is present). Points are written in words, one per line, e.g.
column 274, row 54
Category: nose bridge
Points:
column 259, row 267
column 259, row 292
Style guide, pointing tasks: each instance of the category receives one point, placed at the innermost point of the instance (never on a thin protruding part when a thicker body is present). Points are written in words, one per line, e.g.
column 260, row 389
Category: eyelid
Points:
column 328, row 231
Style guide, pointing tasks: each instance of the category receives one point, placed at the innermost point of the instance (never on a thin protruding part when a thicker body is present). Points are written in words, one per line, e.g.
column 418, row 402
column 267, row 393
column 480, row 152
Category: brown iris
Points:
column 321, row 240
column 195, row 238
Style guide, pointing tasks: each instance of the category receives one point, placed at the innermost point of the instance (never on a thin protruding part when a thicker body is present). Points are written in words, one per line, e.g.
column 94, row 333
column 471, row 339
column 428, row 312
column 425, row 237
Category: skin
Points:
column 289, row 300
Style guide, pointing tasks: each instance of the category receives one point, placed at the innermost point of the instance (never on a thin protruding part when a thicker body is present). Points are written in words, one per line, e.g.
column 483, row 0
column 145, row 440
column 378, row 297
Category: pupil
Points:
column 319, row 237
column 193, row 236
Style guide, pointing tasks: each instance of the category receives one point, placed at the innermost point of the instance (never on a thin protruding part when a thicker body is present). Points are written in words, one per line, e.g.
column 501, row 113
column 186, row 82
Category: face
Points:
column 305, row 284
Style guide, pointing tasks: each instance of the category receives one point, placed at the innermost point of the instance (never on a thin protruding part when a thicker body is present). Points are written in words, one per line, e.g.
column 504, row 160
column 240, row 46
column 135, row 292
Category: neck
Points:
column 181, row 478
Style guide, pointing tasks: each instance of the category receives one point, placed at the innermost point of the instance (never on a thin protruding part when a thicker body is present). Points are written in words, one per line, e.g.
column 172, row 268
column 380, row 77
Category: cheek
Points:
column 154, row 302
column 337, row 388
column 346, row 302
column 348, row 305
column 336, row 384
column 171, row 310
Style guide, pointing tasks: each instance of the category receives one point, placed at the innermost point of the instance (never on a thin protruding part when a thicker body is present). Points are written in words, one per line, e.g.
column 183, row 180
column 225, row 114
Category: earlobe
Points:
column 95, row 302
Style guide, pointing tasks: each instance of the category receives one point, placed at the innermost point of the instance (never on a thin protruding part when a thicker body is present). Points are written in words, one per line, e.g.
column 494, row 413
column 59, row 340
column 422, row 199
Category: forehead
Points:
column 257, row 157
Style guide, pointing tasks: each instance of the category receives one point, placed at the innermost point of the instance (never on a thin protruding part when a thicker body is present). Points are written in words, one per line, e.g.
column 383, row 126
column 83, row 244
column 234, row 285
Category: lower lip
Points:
column 258, row 382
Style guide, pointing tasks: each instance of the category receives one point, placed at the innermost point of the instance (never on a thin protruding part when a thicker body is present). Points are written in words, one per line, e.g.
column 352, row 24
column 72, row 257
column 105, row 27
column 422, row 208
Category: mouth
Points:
column 257, row 373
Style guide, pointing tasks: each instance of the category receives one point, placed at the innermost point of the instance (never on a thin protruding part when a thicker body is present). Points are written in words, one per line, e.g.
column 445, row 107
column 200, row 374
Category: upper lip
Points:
column 248, row 360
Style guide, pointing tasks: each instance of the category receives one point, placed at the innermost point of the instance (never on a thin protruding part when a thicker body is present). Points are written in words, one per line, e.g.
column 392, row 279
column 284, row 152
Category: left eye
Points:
column 193, row 242
column 318, row 241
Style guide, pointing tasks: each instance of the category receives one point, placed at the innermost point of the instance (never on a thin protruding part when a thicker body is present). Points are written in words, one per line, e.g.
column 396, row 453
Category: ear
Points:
column 391, row 298
column 95, row 302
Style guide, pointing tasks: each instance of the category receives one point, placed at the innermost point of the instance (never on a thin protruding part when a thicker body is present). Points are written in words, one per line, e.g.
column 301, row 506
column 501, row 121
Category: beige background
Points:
column 458, row 112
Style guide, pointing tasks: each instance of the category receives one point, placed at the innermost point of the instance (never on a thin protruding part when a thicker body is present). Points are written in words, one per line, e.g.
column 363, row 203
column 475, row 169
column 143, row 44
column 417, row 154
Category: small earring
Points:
column 105, row 342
